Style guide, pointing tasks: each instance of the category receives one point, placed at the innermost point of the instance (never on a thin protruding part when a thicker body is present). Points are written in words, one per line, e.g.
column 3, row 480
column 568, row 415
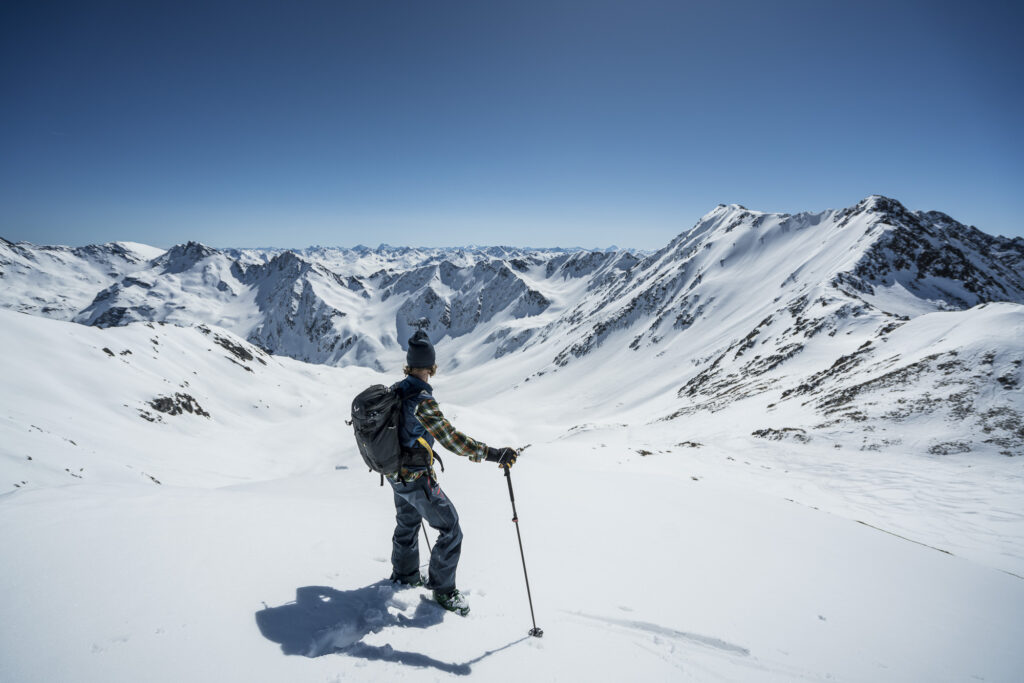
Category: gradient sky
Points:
column 548, row 123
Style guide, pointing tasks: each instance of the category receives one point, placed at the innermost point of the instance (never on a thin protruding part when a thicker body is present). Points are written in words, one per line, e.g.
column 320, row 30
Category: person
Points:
column 418, row 495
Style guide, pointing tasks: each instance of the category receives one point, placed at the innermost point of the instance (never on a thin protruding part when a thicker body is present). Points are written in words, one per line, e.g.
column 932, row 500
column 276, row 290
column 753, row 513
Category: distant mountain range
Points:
column 870, row 315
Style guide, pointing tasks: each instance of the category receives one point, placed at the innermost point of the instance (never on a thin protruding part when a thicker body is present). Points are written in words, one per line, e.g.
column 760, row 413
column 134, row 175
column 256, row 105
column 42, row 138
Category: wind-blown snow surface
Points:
column 781, row 448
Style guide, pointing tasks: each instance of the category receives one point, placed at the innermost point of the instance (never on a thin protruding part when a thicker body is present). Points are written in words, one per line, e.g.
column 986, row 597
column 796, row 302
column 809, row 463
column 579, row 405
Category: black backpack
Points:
column 377, row 419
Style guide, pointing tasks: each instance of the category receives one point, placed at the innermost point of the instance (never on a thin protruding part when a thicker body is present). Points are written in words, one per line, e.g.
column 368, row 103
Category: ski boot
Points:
column 453, row 602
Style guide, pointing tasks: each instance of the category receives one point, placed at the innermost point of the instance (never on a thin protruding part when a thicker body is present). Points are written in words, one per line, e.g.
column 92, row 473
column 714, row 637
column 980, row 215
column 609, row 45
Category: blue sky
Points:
column 544, row 123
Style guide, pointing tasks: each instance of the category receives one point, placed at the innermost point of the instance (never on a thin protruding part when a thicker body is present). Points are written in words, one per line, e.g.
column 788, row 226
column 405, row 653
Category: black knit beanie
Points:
column 421, row 351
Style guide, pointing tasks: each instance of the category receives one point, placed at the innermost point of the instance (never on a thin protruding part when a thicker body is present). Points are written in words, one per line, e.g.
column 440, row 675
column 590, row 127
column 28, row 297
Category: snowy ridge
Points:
column 769, row 307
column 59, row 281
column 318, row 304
column 744, row 306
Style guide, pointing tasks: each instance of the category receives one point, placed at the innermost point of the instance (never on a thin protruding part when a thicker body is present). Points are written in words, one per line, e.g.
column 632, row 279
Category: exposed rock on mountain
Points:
column 819, row 310
column 58, row 282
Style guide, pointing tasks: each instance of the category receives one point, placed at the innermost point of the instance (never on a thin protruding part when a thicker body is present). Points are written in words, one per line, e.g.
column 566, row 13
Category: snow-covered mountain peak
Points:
column 934, row 259
column 877, row 203
column 725, row 217
column 772, row 279
column 747, row 301
column 726, row 208
column 182, row 257
column 289, row 263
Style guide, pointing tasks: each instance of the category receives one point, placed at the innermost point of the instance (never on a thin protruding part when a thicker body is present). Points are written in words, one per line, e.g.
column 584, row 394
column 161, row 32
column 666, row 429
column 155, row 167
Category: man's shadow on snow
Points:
column 324, row 621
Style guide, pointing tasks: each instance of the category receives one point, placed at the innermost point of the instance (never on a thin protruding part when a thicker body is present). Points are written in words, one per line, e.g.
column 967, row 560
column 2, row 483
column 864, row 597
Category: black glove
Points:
column 505, row 457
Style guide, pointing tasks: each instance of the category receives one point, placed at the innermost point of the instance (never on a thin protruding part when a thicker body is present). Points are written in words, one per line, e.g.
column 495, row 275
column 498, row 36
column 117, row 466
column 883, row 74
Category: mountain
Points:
column 781, row 313
column 800, row 423
column 57, row 281
column 808, row 309
column 808, row 272
column 296, row 303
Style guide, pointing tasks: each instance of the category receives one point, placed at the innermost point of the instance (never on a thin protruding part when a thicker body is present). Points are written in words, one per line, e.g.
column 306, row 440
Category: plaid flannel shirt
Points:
column 433, row 420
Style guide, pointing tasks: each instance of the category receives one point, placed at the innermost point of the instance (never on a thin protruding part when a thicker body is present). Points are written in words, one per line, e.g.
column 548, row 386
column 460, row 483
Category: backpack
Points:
column 376, row 419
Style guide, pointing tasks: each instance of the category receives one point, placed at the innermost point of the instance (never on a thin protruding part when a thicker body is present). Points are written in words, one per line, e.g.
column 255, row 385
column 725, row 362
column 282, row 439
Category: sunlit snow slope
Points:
column 796, row 317
column 184, row 507
column 784, row 447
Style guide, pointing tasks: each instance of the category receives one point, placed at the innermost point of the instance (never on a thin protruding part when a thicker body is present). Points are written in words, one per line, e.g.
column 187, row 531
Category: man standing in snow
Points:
column 418, row 496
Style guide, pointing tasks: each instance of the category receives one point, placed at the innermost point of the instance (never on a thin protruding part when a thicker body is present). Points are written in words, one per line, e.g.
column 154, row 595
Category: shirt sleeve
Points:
column 430, row 416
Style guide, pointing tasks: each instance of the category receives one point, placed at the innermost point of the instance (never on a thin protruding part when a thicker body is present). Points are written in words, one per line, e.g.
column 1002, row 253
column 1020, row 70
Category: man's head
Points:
column 420, row 355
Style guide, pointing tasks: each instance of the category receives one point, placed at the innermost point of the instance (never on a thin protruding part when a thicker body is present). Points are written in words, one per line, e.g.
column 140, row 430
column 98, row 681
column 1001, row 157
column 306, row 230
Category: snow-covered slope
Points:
column 795, row 316
column 189, row 508
column 778, row 313
column 773, row 450
column 325, row 305
column 722, row 279
column 147, row 402
column 57, row 282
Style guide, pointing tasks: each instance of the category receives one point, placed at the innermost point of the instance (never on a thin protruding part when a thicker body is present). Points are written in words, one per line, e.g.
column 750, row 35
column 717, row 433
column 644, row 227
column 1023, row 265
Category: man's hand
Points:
column 505, row 457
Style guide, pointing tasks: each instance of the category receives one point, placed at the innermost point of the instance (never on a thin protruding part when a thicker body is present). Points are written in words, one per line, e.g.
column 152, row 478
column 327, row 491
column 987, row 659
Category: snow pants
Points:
column 416, row 500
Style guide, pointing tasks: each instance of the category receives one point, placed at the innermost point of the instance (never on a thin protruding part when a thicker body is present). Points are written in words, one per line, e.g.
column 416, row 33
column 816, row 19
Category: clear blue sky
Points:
column 434, row 122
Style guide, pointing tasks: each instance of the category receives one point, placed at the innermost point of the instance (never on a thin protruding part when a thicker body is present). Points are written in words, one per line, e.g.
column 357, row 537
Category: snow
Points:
column 145, row 251
column 262, row 551
column 784, row 447
column 60, row 281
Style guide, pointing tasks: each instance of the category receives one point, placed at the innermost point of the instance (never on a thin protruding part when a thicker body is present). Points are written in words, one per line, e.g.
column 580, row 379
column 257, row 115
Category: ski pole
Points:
column 425, row 537
column 535, row 632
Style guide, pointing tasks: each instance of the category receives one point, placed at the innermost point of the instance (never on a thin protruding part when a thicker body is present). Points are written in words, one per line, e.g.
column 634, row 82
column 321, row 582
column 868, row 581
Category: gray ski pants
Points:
column 416, row 500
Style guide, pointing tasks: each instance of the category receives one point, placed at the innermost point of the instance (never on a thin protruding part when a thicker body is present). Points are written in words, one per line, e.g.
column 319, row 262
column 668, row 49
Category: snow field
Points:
column 737, row 560
column 634, row 576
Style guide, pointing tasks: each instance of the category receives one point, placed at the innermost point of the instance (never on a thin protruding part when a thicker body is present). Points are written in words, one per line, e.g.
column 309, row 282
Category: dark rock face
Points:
column 237, row 350
column 177, row 404
column 930, row 253
column 462, row 298
column 112, row 317
column 182, row 257
column 786, row 433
